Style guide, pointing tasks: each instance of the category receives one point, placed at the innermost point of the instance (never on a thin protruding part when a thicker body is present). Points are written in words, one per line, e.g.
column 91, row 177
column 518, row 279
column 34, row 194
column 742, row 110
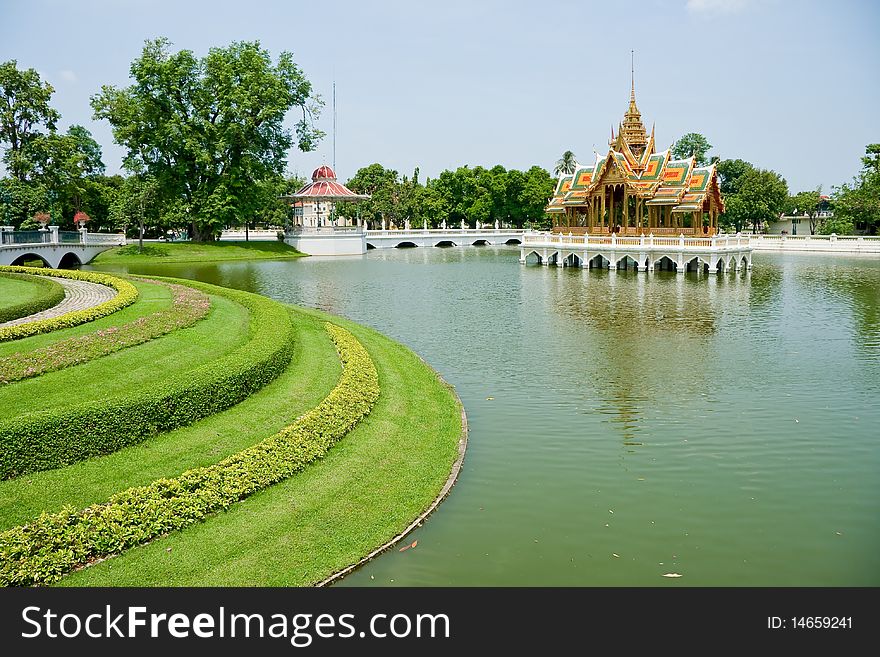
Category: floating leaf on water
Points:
column 671, row 575
column 615, row 555
column 489, row 398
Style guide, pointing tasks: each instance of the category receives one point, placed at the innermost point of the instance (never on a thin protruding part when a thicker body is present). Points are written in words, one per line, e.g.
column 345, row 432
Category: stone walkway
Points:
column 78, row 295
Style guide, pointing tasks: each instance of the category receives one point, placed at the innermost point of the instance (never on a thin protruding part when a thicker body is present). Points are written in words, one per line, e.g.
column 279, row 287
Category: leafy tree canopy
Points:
column 210, row 129
column 24, row 109
column 694, row 144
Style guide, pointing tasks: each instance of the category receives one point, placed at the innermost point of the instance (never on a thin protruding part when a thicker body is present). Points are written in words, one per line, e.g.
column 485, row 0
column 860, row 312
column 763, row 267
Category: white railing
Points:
column 644, row 241
column 842, row 243
column 421, row 232
column 54, row 236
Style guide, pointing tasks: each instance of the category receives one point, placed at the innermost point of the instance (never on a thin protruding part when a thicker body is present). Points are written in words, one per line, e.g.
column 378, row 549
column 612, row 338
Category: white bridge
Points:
column 644, row 253
column 388, row 239
column 55, row 248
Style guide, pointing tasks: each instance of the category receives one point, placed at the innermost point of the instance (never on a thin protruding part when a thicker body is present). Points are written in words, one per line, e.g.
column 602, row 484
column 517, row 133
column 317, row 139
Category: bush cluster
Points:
column 51, row 294
column 43, row 551
column 49, row 439
column 188, row 306
column 127, row 295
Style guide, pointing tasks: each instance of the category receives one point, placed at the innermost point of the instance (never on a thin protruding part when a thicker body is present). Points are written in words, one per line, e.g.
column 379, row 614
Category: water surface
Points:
column 624, row 425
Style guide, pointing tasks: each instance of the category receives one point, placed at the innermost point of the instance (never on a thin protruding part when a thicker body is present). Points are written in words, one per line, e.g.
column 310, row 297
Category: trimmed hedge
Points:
column 188, row 306
column 43, row 551
column 127, row 295
column 51, row 295
column 51, row 439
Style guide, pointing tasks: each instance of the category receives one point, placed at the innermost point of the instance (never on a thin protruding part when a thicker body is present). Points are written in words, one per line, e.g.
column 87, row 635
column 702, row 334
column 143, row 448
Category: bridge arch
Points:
column 666, row 263
column 445, row 243
column 533, row 253
column 69, row 259
column 513, row 240
column 572, row 260
column 480, row 242
column 27, row 257
column 626, row 259
column 405, row 245
column 370, row 246
column 599, row 261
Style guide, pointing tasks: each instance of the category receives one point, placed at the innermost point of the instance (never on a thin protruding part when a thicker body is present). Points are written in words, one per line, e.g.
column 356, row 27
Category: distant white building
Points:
column 798, row 223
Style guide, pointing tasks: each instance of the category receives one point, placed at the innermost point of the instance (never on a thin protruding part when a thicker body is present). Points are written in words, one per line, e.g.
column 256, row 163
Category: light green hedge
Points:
column 127, row 295
column 43, row 551
column 51, row 294
column 51, row 439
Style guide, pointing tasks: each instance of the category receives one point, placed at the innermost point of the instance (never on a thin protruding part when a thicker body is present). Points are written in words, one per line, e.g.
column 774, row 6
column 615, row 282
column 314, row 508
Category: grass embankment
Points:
column 367, row 489
column 151, row 298
column 128, row 371
column 22, row 295
column 363, row 492
column 162, row 252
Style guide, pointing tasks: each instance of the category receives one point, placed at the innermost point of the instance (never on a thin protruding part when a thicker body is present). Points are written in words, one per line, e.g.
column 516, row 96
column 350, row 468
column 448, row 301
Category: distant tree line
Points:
column 469, row 195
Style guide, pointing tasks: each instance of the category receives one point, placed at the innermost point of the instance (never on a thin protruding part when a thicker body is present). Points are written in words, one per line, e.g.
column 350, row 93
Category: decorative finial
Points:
column 632, row 74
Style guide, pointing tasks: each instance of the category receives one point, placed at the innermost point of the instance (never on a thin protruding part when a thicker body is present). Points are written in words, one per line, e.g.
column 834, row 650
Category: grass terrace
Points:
column 269, row 500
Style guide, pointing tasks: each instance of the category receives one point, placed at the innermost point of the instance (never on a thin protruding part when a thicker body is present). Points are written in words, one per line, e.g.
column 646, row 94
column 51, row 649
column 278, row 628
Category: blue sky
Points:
column 787, row 85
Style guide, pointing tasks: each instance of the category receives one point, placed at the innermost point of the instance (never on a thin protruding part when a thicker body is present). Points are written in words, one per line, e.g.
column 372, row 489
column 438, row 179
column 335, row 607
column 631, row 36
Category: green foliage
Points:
column 50, row 294
column 210, row 130
column 837, row 225
column 694, row 144
column 806, row 203
column 188, row 306
column 126, row 295
column 566, row 163
column 731, row 172
column 760, row 196
column 46, row 439
column 44, row 550
column 24, row 108
column 857, row 204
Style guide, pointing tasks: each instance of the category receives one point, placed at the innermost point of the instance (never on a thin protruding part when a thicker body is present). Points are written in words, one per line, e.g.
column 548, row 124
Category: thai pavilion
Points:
column 633, row 189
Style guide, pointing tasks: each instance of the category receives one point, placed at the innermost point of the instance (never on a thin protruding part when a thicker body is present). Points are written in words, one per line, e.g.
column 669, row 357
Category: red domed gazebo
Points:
column 324, row 189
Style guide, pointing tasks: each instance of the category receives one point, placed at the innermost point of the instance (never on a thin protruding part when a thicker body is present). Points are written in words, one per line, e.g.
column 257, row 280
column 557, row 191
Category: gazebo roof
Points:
column 325, row 186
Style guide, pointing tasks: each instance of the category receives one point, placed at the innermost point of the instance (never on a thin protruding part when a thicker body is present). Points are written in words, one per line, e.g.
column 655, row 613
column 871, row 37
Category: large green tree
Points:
column 210, row 129
column 24, row 110
column 693, row 143
column 761, row 196
column 857, row 204
column 731, row 172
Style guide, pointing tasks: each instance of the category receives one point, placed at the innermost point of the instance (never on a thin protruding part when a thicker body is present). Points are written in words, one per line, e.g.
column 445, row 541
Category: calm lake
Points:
column 624, row 425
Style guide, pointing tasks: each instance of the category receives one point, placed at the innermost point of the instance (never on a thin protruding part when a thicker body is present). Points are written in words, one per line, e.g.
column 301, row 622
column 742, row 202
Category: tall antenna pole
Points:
column 334, row 125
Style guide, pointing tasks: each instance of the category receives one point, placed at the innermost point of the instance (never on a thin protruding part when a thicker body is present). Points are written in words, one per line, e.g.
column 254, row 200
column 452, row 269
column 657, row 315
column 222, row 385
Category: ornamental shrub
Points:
column 51, row 294
column 49, row 439
column 127, row 294
column 44, row 550
column 188, row 306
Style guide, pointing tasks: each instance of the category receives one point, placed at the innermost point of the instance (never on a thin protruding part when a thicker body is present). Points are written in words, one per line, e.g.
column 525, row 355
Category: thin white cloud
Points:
column 716, row 6
column 68, row 76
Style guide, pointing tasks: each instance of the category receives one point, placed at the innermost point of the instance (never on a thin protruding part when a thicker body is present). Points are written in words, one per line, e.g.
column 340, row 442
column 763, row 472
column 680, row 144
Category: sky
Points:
column 787, row 85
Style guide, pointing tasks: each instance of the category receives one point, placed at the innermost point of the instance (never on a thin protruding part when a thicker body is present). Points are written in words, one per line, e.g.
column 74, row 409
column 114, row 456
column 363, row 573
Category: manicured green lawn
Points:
column 152, row 298
column 14, row 291
column 125, row 372
column 162, row 252
column 368, row 488
column 311, row 375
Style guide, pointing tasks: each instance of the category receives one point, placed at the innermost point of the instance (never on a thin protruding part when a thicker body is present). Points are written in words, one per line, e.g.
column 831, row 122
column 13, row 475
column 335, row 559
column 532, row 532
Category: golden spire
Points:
column 633, row 130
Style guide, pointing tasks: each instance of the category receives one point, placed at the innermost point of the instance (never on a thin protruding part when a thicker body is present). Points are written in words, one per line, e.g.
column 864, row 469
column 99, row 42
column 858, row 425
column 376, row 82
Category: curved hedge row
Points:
column 43, row 551
column 127, row 295
column 52, row 295
column 50, row 439
column 188, row 306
